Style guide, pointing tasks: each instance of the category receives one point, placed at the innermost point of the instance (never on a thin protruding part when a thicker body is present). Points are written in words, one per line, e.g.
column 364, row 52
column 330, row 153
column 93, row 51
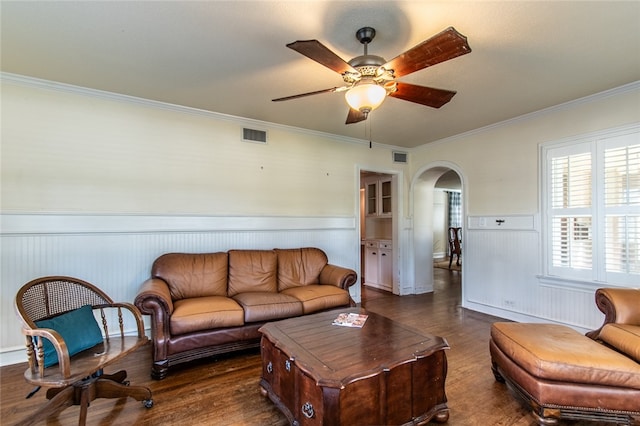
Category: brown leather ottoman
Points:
column 562, row 374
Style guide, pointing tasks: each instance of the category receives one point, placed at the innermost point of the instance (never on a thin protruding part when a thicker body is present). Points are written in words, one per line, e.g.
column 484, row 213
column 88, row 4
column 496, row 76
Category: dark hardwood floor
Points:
column 225, row 391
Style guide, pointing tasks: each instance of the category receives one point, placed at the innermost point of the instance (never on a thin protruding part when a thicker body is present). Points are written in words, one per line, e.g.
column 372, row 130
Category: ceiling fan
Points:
column 370, row 79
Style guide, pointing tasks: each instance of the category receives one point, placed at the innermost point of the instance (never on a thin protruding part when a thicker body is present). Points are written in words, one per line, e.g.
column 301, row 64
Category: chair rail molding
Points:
column 77, row 223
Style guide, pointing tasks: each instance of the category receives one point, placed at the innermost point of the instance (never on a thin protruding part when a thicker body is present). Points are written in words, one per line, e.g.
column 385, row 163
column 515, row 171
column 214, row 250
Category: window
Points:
column 591, row 207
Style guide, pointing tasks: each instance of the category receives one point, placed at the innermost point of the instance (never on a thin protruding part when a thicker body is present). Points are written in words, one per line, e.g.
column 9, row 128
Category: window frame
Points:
column 595, row 143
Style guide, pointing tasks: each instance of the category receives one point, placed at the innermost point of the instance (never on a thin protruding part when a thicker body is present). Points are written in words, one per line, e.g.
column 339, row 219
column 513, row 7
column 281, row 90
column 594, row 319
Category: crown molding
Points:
column 38, row 83
column 243, row 121
column 627, row 88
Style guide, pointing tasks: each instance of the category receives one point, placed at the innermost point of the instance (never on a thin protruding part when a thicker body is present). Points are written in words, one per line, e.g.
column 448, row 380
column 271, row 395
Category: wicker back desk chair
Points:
column 66, row 348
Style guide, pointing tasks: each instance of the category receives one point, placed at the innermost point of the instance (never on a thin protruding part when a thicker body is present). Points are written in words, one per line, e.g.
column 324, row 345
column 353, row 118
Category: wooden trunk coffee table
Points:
column 381, row 374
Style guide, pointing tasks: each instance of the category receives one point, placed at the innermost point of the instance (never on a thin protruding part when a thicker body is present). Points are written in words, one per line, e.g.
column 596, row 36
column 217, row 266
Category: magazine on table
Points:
column 350, row 320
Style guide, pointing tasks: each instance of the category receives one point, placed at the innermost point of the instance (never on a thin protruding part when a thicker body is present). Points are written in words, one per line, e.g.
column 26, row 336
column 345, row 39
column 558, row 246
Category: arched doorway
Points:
column 423, row 195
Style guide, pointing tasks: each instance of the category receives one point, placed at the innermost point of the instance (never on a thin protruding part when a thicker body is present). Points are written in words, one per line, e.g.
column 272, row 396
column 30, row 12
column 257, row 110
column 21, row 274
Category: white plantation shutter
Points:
column 571, row 180
column 622, row 208
column 571, row 210
column 592, row 208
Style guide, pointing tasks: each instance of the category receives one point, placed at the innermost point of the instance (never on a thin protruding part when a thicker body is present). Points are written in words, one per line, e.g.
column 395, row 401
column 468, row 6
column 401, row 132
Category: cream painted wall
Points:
column 71, row 152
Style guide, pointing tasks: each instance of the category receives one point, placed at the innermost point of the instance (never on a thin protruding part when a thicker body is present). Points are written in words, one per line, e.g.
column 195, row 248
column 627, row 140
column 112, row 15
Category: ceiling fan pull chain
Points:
column 369, row 122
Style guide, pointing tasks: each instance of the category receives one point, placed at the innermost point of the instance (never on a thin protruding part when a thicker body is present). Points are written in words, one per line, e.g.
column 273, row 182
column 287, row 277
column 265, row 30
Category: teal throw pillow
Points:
column 78, row 328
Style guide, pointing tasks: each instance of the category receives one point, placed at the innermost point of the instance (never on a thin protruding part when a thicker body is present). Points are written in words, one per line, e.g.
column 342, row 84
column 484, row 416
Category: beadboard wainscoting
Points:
column 501, row 269
column 115, row 252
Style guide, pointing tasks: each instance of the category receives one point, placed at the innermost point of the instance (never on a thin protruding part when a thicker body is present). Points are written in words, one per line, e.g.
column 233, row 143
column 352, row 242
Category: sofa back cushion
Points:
column 252, row 270
column 193, row 275
column 298, row 267
column 624, row 337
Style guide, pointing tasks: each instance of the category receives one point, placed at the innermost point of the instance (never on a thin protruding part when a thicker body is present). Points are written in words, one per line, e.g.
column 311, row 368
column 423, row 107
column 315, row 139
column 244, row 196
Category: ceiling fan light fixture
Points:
column 365, row 96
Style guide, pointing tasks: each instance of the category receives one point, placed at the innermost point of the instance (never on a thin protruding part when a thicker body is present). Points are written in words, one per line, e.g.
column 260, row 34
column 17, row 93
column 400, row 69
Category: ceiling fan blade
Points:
column 446, row 45
column 317, row 92
column 428, row 96
column 315, row 50
column 355, row 116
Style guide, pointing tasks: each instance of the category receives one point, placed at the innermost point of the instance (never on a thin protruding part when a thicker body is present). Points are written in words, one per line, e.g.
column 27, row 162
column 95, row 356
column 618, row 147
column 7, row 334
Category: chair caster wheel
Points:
column 148, row 403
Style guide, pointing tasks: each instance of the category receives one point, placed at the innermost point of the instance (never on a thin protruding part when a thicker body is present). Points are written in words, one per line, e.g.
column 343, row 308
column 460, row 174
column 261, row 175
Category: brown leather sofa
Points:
column 212, row 303
column 563, row 374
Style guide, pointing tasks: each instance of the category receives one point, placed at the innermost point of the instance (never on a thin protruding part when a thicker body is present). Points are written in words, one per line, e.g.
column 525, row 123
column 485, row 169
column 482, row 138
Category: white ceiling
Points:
column 230, row 56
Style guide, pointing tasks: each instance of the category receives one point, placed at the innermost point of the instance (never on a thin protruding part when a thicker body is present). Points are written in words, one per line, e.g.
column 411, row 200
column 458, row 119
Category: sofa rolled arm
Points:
column 619, row 306
column 154, row 294
column 154, row 299
column 338, row 276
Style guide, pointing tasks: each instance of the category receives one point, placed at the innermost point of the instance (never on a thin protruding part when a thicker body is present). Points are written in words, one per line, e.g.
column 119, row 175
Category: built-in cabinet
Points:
column 378, row 264
column 370, row 262
column 378, row 196
column 377, row 222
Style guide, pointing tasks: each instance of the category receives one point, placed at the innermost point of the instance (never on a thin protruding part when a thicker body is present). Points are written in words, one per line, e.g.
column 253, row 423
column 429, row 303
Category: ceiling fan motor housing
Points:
column 369, row 67
column 367, row 64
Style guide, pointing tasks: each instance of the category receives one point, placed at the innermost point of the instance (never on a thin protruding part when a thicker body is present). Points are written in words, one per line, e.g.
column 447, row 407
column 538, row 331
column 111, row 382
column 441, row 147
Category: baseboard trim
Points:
column 515, row 316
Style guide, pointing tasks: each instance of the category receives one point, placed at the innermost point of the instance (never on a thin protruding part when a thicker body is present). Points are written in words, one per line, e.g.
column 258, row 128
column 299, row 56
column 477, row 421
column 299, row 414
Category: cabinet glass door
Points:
column 372, row 198
column 385, row 187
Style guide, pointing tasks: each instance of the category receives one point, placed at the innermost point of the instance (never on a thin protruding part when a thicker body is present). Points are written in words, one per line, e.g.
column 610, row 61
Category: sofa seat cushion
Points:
column 205, row 313
column 319, row 297
column 559, row 353
column 624, row 337
column 265, row 306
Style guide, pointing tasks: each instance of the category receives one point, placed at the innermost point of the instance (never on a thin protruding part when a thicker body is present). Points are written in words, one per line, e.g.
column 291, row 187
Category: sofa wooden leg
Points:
column 544, row 420
column 160, row 369
column 496, row 373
